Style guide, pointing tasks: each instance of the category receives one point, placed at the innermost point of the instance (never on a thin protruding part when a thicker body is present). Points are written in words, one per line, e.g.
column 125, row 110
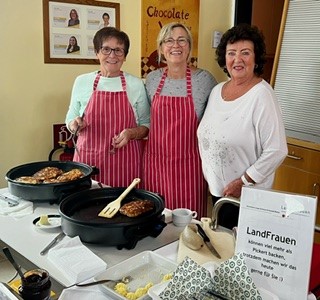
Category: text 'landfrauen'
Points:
column 267, row 234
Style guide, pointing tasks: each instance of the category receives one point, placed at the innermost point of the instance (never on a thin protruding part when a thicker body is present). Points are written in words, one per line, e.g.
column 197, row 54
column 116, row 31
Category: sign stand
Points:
column 275, row 233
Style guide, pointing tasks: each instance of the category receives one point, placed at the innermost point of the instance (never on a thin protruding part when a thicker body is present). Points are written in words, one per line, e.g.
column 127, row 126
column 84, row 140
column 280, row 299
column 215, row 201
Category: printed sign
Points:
column 155, row 14
column 275, row 234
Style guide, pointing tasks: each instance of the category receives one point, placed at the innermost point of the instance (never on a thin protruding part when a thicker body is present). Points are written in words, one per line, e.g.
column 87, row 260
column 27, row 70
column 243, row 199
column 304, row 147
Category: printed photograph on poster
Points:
column 65, row 44
column 154, row 15
column 69, row 27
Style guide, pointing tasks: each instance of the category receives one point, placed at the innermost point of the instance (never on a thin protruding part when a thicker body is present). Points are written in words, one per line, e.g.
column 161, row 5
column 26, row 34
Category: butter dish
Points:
column 54, row 221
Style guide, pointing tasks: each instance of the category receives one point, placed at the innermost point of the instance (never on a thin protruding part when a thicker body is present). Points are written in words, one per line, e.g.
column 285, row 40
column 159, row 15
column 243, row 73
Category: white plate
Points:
column 54, row 222
column 145, row 267
column 6, row 293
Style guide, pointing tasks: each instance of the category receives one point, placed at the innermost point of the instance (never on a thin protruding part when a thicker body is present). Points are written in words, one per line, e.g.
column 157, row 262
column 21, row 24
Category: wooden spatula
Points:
column 112, row 208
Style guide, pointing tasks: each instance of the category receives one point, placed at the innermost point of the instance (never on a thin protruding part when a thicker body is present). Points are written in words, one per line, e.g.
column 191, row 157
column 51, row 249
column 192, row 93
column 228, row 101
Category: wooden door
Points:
column 300, row 173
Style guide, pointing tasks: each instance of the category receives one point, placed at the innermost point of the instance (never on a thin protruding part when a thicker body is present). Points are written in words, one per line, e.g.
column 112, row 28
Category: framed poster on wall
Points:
column 70, row 25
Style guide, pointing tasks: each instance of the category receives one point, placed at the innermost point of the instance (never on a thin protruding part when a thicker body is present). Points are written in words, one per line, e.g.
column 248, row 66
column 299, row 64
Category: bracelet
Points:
column 246, row 182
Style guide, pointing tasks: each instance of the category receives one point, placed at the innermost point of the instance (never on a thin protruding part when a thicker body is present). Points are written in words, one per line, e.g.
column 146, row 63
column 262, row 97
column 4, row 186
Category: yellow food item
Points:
column 121, row 288
column 140, row 292
column 149, row 285
column 131, row 296
column 44, row 220
column 167, row 277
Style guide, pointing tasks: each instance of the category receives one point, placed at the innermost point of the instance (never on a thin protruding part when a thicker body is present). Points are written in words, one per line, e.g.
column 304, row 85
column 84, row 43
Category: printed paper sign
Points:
column 275, row 233
column 155, row 14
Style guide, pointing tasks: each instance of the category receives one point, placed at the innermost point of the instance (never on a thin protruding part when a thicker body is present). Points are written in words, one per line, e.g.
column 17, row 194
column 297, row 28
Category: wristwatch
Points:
column 246, row 182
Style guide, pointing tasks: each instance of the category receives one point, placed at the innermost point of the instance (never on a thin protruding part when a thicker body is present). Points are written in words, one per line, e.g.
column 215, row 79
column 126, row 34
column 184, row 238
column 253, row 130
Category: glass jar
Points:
column 35, row 285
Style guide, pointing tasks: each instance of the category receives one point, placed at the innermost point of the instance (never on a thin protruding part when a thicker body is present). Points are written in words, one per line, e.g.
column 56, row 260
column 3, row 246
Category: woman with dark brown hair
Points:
column 73, row 45
column 241, row 135
column 74, row 19
column 110, row 111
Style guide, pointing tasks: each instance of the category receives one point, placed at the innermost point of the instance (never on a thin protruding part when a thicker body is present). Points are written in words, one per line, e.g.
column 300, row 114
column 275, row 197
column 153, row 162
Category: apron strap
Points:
column 123, row 82
column 189, row 85
column 95, row 83
column 163, row 78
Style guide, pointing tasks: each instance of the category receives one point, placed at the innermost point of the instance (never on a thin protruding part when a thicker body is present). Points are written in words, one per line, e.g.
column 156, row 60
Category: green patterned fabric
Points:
column 230, row 281
column 188, row 279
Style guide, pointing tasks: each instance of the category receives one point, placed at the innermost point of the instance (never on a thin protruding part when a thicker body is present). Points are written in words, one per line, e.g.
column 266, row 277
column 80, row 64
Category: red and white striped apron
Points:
column 107, row 114
column 172, row 165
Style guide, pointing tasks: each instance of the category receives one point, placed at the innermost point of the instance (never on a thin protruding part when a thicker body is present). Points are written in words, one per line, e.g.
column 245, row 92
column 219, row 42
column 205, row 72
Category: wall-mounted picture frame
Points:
column 70, row 25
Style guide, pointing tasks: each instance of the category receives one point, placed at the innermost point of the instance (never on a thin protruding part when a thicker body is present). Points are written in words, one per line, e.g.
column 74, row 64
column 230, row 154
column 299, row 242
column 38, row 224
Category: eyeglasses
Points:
column 181, row 42
column 108, row 50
